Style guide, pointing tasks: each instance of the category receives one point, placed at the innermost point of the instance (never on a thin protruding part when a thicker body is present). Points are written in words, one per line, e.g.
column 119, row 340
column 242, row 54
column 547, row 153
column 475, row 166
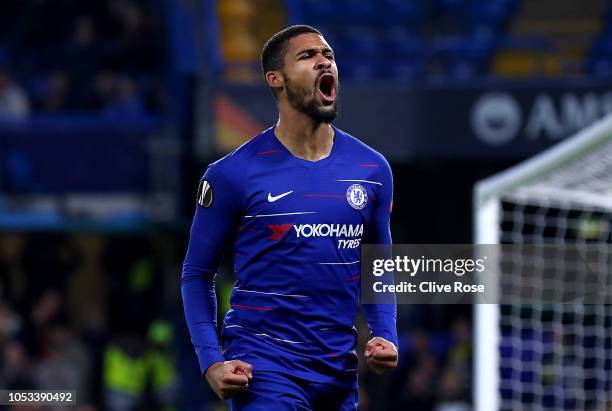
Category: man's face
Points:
column 311, row 77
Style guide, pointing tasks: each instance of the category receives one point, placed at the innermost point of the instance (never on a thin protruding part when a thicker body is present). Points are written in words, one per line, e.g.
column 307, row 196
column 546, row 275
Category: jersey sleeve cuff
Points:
column 208, row 359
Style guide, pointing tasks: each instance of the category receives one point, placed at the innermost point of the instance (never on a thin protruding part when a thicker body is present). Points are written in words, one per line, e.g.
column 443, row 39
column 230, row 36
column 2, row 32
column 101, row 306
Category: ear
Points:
column 275, row 79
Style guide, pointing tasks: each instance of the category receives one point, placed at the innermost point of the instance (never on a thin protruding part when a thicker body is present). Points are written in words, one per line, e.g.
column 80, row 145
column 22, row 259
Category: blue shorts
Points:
column 280, row 392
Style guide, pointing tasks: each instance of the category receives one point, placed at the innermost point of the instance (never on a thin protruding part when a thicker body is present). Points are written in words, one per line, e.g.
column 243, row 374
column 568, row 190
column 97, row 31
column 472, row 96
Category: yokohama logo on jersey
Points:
column 329, row 230
column 321, row 230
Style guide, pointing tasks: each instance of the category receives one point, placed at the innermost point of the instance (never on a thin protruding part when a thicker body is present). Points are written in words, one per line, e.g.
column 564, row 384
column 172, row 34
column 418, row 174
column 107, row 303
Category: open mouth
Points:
column 326, row 87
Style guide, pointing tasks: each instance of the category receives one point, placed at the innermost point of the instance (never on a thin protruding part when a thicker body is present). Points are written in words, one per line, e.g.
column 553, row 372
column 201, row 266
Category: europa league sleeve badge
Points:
column 205, row 194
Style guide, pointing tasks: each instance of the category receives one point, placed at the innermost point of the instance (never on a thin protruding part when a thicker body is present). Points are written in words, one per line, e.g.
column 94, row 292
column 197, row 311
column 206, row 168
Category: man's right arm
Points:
column 216, row 219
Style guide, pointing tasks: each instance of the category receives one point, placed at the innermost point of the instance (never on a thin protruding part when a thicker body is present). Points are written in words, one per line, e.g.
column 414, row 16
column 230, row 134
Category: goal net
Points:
column 549, row 356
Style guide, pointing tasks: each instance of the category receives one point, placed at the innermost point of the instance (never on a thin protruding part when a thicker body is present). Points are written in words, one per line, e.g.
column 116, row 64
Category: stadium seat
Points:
column 312, row 11
column 409, row 14
column 463, row 58
column 525, row 56
column 599, row 61
column 487, row 17
column 358, row 11
column 405, row 55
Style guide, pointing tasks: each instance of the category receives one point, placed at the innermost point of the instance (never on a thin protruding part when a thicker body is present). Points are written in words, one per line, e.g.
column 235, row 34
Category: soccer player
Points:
column 292, row 206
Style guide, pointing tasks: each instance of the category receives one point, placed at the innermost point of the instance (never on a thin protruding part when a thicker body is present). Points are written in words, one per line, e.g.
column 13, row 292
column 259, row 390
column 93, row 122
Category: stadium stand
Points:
column 415, row 40
column 83, row 57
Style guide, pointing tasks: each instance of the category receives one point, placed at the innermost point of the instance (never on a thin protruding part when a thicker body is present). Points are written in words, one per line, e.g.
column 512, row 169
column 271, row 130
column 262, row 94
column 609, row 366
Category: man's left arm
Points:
column 381, row 351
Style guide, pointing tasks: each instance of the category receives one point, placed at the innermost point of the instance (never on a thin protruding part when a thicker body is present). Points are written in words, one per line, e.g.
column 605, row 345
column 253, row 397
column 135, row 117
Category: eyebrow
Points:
column 314, row 50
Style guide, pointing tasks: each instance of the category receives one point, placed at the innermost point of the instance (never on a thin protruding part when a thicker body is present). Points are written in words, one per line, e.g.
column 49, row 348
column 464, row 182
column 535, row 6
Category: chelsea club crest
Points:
column 357, row 196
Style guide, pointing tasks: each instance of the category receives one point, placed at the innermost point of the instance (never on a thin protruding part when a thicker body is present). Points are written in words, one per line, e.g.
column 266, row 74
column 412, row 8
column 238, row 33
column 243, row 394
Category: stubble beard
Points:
column 301, row 100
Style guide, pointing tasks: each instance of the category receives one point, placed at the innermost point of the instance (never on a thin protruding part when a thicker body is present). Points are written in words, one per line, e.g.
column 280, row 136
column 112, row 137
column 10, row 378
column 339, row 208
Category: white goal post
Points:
column 562, row 195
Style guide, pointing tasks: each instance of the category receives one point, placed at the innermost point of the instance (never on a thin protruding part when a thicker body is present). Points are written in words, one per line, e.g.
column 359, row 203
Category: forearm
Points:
column 200, row 306
column 382, row 321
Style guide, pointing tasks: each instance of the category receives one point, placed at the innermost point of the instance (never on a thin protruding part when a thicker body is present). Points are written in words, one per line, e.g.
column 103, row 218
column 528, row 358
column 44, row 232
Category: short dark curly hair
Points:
column 274, row 50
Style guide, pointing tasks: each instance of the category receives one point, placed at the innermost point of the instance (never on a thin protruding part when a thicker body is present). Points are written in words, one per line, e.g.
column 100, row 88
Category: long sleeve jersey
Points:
column 294, row 228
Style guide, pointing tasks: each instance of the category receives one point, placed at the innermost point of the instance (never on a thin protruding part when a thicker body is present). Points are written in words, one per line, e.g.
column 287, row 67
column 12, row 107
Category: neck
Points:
column 304, row 137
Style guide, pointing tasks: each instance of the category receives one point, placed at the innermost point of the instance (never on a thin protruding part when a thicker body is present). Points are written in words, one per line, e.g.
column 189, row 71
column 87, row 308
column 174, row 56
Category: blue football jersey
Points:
column 294, row 228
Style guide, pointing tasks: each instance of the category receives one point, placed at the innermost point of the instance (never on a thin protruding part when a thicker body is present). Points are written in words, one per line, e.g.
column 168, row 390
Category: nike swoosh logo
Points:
column 272, row 198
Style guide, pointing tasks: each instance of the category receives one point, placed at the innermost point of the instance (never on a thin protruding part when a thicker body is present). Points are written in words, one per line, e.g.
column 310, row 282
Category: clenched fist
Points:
column 229, row 377
column 381, row 355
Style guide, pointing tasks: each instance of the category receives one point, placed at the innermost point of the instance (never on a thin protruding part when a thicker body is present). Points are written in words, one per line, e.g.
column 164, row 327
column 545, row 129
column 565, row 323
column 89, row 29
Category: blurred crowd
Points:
column 87, row 313
column 70, row 56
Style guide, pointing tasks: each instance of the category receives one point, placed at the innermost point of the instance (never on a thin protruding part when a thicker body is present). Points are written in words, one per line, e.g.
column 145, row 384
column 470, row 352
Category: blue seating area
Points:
column 82, row 57
column 394, row 40
column 87, row 89
column 599, row 62
column 599, row 59
column 458, row 40
column 477, row 17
